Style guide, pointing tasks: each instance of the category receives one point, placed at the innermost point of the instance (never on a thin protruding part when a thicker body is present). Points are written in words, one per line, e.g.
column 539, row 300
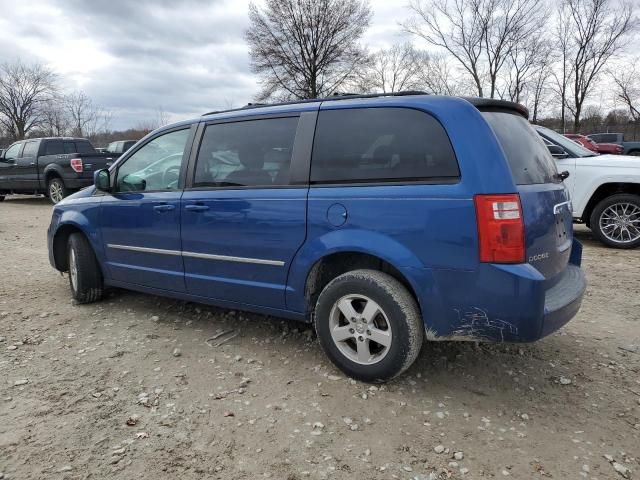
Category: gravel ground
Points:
column 129, row 388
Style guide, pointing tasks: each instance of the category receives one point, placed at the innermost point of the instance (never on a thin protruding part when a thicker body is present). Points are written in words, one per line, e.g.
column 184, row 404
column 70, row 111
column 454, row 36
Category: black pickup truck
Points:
column 53, row 166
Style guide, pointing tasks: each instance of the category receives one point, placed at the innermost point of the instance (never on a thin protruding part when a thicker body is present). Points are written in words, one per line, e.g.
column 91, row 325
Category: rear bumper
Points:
column 563, row 301
column 501, row 303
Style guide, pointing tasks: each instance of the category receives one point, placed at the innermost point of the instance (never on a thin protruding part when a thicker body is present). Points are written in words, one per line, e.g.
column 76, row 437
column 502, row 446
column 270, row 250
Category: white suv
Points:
column 605, row 189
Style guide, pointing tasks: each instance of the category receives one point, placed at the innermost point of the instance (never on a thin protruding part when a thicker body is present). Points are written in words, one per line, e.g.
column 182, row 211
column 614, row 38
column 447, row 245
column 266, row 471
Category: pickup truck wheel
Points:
column 616, row 221
column 85, row 276
column 634, row 153
column 56, row 190
column 369, row 325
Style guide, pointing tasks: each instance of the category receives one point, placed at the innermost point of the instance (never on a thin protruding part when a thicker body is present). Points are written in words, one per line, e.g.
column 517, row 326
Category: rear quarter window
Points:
column 381, row 145
column 528, row 157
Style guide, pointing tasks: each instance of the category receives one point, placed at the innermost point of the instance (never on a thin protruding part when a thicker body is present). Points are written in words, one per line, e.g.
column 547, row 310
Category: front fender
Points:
column 84, row 216
column 342, row 241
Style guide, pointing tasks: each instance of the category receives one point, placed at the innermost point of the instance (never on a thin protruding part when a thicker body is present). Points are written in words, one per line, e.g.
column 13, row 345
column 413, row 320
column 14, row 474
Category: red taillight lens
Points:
column 76, row 164
column 500, row 228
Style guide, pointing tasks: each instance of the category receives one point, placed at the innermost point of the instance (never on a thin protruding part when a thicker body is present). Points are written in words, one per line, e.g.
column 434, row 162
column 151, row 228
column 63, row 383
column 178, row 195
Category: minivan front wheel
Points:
column 85, row 276
column 369, row 325
column 616, row 221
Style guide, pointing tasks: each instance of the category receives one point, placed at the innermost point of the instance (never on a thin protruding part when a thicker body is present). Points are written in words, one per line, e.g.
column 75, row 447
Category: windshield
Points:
column 569, row 145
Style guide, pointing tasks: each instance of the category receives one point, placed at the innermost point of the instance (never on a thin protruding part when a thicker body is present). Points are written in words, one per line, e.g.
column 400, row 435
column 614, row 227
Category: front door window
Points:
column 154, row 167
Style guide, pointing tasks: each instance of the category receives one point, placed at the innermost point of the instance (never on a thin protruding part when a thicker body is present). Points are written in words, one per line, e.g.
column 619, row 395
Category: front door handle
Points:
column 196, row 208
column 164, row 207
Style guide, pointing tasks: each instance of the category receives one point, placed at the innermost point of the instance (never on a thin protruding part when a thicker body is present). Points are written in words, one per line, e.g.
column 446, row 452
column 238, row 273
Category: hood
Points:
column 608, row 160
column 84, row 193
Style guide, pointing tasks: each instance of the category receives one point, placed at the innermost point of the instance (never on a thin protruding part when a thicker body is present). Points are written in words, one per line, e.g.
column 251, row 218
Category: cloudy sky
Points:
column 134, row 57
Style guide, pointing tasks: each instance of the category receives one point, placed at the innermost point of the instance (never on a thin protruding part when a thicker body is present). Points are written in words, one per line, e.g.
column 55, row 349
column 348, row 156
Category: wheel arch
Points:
column 61, row 238
column 332, row 265
column 51, row 171
column 604, row 191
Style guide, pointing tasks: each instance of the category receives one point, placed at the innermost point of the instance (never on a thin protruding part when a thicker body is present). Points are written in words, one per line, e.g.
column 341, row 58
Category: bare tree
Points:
column 510, row 27
column 457, row 27
column 306, row 48
column 159, row 119
column 24, row 92
column 55, row 121
column 628, row 90
column 539, row 85
column 599, row 30
column 563, row 46
column 439, row 78
column 83, row 114
column 395, row 69
column 524, row 60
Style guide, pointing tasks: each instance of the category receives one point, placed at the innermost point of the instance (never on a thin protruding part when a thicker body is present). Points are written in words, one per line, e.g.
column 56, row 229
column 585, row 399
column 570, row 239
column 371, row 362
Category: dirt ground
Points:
column 129, row 388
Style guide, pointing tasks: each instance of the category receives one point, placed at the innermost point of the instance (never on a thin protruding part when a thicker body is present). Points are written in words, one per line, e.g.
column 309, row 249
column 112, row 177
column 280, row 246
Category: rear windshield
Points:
column 83, row 146
column 528, row 157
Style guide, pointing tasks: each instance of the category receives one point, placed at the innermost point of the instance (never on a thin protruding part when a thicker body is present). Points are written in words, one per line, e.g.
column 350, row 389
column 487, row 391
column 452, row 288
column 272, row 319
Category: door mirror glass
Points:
column 557, row 151
column 102, row 180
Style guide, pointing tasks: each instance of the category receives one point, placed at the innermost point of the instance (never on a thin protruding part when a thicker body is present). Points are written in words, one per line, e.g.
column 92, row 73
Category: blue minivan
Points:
column 384, row 220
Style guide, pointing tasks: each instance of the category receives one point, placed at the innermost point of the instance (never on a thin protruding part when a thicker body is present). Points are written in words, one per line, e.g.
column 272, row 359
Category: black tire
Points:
column 400, row 314
column 87, row 286
column 596, row 225
column 634, row 153
column 56, row 190
column 1, row 198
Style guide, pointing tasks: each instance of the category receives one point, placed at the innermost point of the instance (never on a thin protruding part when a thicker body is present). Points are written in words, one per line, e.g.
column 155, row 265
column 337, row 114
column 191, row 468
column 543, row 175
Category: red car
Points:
column 589, row 144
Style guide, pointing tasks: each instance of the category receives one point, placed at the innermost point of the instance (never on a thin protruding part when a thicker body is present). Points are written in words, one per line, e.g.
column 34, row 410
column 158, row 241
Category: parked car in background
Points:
column 628, row 148
column 605, row 189
column 118, row 148
column 611, row 148
column 380, row 219
column 55, row 167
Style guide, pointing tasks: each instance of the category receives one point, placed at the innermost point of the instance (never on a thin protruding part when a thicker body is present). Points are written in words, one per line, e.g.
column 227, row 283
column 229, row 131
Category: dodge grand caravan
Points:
column 383, row 220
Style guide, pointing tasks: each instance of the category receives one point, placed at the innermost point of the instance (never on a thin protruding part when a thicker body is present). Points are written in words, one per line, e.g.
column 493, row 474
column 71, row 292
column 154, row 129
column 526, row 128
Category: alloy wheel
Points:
column 360, row 329
column 620, row 222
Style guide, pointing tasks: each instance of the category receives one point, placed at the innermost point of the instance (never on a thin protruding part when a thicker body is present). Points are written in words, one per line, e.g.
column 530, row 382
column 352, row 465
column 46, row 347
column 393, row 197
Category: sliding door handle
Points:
column 196, row 208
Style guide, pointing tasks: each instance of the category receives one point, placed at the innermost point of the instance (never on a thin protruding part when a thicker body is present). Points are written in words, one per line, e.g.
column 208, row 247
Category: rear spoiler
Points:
column 493, row 105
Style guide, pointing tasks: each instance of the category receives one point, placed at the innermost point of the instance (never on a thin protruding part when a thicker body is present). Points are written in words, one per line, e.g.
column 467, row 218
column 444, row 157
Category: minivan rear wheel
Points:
column 369, row 325
column 85, row 276
column 616, row 221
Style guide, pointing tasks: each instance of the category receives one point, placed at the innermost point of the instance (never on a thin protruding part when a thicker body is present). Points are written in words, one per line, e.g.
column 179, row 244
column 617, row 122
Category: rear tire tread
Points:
column 411, row 322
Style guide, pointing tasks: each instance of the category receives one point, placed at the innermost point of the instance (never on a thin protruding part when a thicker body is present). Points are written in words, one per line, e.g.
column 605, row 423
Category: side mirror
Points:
column 557, row 151
column 102, row 180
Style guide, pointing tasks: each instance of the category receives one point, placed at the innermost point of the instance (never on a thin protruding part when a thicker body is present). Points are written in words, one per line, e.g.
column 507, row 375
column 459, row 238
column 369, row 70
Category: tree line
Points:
column 551, row 56
column 32, row 104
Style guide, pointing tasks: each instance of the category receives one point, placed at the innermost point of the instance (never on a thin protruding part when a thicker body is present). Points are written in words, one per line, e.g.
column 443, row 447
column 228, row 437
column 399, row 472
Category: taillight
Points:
column 76, row 164
column 500, row 228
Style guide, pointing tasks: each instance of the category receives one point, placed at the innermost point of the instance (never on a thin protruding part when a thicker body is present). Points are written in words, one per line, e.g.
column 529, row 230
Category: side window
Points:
column 250, row 153
column 70, row 147
column 30, row 149
column 380, row 144
column 155, row 166
column 53, row 147
column 13, row 152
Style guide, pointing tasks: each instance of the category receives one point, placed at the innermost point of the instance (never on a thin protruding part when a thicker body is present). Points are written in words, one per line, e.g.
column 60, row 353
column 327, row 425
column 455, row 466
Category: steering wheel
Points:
column 171, row 176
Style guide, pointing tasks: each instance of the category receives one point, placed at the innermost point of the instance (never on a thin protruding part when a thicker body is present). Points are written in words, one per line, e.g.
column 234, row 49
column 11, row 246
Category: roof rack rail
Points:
column 334, row 97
